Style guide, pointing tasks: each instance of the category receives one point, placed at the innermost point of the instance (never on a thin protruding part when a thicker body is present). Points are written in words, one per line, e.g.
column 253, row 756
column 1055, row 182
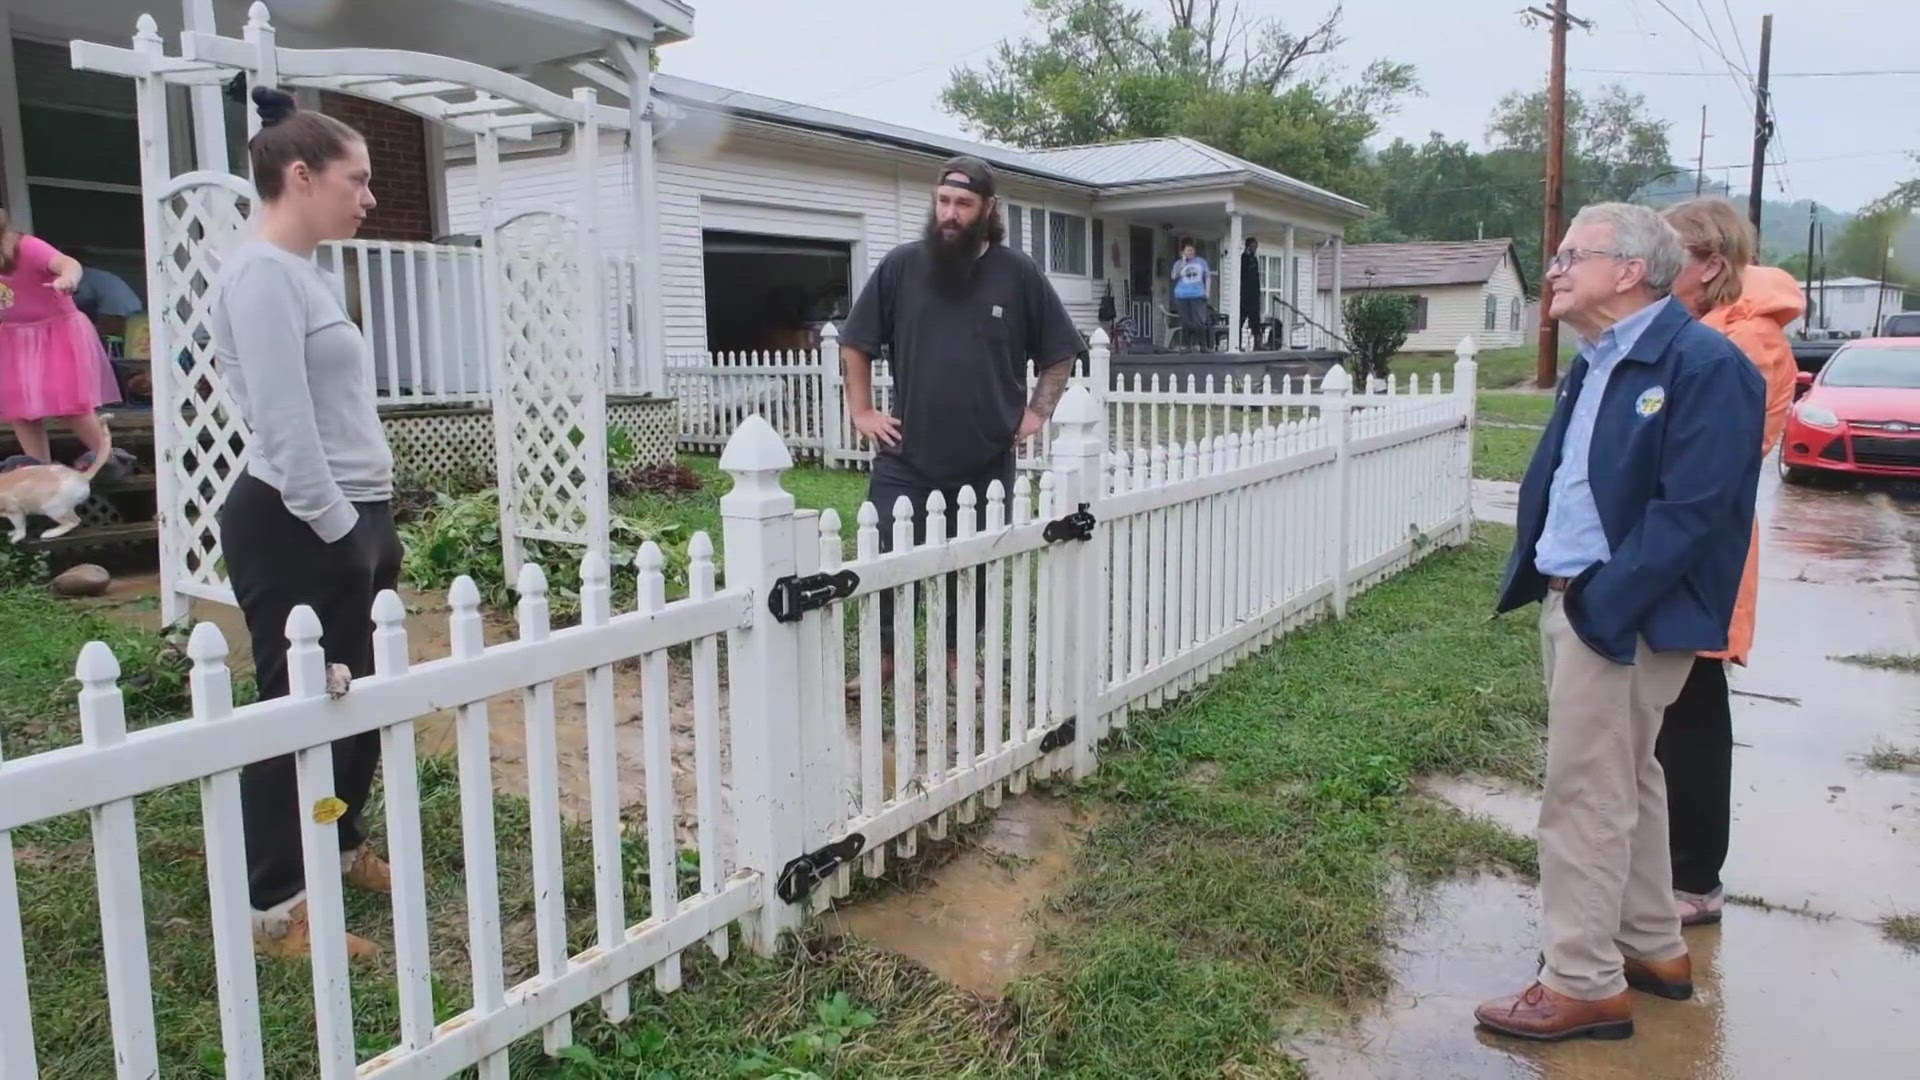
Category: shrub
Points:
column 1377, row 325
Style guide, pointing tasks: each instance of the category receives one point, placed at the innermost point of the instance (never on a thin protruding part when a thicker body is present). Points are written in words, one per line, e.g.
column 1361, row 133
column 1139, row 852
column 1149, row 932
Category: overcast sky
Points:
column 1841, row 139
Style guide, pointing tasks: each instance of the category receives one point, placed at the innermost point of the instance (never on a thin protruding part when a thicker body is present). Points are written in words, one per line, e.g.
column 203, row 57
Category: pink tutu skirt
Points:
column 53, row 367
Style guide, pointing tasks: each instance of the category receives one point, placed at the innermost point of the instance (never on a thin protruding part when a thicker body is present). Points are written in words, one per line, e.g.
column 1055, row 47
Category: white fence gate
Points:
column 1115, row 582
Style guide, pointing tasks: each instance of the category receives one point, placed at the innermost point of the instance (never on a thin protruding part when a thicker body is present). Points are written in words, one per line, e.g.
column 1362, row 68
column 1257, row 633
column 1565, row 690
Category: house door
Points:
column 1143, row 272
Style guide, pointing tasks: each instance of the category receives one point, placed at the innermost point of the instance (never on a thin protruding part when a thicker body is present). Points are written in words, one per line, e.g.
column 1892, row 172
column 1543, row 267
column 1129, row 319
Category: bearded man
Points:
column 960, row 315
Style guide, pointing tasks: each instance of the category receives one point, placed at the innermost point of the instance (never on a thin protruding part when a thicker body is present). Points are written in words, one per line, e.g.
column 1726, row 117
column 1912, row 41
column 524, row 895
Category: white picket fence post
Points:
column 1466, row 378
column 1078, row 453
column 833, row 398
column 763, row 670
column 1336, row 411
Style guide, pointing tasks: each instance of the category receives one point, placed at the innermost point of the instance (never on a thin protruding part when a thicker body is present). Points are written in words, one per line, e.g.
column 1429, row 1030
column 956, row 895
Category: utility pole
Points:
column 1813, row 220
column 1880, row 287
column 1762, row 122
column 1547, row 368
column 1700, row 162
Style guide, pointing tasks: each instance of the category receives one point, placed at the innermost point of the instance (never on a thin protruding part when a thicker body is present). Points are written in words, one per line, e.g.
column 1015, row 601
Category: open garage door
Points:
column 773, row 292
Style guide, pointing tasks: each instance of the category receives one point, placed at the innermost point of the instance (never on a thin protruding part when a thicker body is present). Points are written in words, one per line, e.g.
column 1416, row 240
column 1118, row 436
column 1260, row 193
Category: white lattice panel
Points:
column 201, row 218
column 547, row 401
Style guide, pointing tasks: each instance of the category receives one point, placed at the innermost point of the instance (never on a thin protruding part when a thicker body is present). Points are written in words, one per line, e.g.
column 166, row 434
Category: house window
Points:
column 1493, row 312
column 1419, row 313
column 1037, row 235
column 1016, row 231
column 1098, row 265
column 1513, row 311
column 1066, row 243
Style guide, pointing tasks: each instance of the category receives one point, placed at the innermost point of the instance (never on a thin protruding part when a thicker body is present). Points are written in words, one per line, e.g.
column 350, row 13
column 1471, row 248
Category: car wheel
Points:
column 1795, row 476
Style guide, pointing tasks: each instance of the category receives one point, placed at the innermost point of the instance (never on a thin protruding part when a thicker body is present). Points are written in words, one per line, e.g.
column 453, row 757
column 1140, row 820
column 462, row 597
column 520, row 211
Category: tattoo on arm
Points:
column 1052, row 384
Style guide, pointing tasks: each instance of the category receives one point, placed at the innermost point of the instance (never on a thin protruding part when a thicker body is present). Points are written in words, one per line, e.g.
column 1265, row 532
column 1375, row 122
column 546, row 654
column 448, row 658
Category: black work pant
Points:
column 1695, row 749
column 276, row 563
column 892, row 478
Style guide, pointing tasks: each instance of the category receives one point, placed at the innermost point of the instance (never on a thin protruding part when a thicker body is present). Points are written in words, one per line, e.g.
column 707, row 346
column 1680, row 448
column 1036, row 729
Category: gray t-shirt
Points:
column 297, row 368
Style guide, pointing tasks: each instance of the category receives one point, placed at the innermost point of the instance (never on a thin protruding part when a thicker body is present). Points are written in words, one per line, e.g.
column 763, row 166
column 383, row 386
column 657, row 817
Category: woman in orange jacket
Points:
column 1752, row 305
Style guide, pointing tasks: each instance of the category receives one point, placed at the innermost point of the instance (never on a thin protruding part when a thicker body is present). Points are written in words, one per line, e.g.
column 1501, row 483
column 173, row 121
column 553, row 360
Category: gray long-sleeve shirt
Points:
column 296, row 366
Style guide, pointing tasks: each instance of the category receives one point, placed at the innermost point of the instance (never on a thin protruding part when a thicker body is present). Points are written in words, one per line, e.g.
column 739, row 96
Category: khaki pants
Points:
column 1606, row 887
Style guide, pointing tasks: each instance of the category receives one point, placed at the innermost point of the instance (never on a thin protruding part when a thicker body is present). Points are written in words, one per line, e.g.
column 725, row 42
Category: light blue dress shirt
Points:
column 1573, row 538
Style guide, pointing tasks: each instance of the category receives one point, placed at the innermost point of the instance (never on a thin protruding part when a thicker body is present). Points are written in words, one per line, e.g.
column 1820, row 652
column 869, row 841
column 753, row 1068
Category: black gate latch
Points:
column 1058, row 737
column 1075, row 526
column 799, row 877
column 794, row 596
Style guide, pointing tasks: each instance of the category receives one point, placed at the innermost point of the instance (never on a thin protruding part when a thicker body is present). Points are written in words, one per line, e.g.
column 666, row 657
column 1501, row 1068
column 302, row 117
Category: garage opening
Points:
column 773, row 292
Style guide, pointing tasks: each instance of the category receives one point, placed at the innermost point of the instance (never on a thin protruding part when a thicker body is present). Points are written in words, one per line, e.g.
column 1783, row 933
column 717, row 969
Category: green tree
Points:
column 1440, row 190
column 1099, row 70
column 1883, row 241
column 1377, row 324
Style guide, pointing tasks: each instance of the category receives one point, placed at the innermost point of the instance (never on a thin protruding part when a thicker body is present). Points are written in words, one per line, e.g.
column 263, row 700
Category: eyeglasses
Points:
column 1563, row 260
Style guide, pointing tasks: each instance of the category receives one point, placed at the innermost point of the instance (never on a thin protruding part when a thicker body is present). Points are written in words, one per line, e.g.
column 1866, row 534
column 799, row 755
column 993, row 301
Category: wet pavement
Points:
column 1805, row 986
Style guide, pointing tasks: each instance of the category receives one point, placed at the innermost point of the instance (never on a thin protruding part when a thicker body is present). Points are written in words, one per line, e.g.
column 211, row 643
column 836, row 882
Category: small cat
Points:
column 54, row 491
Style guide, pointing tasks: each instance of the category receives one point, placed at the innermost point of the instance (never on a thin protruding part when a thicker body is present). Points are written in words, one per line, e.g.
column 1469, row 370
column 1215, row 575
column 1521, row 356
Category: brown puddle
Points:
column 974, row 921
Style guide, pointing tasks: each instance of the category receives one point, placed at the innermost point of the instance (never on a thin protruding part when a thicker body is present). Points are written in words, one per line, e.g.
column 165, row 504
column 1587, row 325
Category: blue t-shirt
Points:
column 1190, row 279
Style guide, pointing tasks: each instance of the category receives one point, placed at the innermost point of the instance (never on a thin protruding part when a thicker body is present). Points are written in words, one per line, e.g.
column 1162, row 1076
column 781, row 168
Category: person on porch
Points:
column 961, row 315
column 1190, row 274
column 1250, row 292
column 1633, row 525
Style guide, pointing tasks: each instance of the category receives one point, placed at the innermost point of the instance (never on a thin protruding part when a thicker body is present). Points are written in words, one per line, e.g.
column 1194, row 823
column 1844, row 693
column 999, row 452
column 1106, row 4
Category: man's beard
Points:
column 952, row 255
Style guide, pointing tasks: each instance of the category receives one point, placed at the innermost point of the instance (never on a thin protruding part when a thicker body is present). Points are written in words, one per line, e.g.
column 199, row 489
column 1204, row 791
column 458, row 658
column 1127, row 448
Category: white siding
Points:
column 1456, row 311
column 788, row 184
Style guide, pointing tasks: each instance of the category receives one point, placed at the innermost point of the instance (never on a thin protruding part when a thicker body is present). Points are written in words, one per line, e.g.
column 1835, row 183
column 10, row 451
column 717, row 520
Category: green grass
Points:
column 1502, row 453
column 1883, row 661
column 1515, row 406
column 1241, row 875
column 1499, row 368
column 812, row 488
column 1903, row 929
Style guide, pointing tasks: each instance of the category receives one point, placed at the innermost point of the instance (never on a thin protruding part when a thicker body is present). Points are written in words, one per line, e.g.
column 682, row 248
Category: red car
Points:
column 1860, row 415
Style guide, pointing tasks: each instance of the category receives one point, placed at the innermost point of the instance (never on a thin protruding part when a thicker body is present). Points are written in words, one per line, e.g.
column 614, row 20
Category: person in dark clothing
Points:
column 1250, row 291
column 961, row 315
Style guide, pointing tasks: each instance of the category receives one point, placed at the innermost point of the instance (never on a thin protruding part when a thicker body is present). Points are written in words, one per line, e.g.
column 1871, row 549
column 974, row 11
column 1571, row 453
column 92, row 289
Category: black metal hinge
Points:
column 794, row 596
column 1058, row 737
column 798, row 877
column 1075, row 526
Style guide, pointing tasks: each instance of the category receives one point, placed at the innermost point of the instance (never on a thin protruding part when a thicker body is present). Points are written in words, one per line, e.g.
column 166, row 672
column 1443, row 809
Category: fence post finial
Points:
column 1336, row 381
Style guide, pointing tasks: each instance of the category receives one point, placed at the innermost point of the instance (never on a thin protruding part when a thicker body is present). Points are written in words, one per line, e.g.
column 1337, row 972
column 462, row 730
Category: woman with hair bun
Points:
column 310, row 520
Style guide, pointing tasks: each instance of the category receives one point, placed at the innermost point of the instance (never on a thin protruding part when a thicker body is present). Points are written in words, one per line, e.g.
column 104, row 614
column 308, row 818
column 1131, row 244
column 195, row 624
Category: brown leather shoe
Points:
column 364, row 870
column 290, row 937
column 1539, row 1012
column 1670, row 979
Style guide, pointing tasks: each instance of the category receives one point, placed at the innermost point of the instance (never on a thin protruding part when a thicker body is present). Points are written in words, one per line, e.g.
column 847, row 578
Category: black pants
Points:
column 1695, row 749
column 1250, row 318
column 893, row 478
column 276, row 562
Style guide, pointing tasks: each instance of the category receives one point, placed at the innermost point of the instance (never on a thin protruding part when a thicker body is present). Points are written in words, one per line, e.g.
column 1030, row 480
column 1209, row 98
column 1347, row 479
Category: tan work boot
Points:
column 287, row 935
column 364, row 870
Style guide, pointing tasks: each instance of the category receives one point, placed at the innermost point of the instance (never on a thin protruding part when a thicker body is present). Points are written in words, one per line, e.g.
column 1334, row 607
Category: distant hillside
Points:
column 1783, row 225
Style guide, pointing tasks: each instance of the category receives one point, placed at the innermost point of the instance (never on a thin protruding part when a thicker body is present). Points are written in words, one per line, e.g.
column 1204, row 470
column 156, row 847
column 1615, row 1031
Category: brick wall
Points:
column 397, row 142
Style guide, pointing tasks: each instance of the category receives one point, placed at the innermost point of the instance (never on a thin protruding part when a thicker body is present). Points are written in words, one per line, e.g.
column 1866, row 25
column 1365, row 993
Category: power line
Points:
column 1860, row 72
column 1733, row 71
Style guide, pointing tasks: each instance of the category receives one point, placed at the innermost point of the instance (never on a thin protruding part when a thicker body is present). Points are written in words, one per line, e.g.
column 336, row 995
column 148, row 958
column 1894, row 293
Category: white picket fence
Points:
column 1184, row 558
column 423, row 310
column 802, row 393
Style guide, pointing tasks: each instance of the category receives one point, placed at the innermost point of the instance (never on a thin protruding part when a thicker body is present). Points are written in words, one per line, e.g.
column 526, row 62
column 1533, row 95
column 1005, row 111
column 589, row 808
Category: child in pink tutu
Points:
column 51, row 361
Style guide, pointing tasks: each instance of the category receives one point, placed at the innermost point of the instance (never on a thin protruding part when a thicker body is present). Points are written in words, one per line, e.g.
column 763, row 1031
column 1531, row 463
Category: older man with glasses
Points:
column 1633, row 525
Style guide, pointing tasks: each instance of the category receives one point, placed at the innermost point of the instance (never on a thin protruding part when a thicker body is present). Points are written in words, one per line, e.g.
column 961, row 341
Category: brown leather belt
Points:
column 1558, row 584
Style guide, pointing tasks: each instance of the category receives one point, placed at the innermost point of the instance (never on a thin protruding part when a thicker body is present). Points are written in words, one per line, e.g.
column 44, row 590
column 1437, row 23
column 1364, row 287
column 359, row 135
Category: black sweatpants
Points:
column 892, row 478
column 276, row 563
column 1695, row 749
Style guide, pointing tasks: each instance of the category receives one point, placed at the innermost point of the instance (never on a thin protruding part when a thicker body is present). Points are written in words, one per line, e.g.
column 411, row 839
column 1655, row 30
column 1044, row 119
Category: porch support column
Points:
column 1333, row 317
column 1289, row 290
column 631, row 55
column 13, row 156
column 209, row 111
column 1230, row 276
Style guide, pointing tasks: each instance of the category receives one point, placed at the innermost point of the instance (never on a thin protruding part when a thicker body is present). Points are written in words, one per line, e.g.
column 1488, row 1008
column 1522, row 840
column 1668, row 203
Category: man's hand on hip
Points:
column 1031, row 424
column 876, row 426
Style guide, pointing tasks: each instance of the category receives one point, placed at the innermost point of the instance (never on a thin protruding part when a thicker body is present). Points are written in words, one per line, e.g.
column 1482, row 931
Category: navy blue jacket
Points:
column 1674, row 469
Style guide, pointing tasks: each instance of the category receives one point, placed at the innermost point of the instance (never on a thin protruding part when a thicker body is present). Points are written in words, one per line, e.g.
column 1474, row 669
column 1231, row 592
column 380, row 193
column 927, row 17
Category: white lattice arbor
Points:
column 545, row 333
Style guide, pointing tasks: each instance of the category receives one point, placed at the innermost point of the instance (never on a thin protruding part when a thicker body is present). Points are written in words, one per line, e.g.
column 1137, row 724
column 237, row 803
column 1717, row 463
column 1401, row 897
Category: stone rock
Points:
column 83, row 580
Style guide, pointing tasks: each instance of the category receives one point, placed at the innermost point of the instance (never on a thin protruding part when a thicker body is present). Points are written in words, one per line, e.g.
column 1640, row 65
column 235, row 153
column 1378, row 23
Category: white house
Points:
column 1458, row 287
column 1850, row 305
column 772, row 213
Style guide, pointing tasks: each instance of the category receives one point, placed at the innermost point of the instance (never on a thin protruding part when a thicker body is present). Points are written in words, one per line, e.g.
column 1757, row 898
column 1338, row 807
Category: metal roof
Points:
column 1103, row 167
column 699, row 94
column 1176, row 157
column 1421, row 263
